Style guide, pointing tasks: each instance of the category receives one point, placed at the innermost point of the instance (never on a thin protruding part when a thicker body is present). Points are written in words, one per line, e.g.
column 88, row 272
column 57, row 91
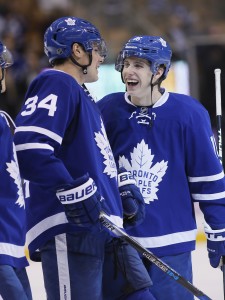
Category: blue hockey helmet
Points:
column 6, row 59
column 152, row 48
column 66, row 31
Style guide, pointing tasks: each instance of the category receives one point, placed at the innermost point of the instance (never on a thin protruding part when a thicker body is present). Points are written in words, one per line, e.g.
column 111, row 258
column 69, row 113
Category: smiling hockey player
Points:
column 165, row 140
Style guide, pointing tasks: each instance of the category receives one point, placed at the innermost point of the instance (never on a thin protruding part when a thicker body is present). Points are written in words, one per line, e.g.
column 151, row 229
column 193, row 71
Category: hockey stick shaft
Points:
column 217, row 73
column 151, row 257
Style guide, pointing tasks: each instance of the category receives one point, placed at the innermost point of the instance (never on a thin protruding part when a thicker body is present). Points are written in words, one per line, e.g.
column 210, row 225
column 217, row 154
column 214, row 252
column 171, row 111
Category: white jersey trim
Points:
column 44, row 225
column 29, row 146
column 63, row 266
column 160, row 102
column 126, row 97
column 168, row 239
column 7, row 116
column 58, row 219
column 214, row 196
column 206, row 178
column 40, row 130
column 12, row 250
column 162, row 99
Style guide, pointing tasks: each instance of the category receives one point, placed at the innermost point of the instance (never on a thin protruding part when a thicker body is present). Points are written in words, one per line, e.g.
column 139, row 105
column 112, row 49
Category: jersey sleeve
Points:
column 41, row 126
column 204, row 169
column 5, row 145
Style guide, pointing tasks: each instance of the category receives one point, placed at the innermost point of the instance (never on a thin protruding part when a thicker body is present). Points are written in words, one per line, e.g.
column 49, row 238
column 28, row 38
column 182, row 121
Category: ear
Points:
column 159, row 72
column 77, row 50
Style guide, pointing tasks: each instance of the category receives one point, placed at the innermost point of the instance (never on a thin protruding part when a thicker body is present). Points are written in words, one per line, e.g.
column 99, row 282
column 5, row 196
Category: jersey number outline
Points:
column 48, row 103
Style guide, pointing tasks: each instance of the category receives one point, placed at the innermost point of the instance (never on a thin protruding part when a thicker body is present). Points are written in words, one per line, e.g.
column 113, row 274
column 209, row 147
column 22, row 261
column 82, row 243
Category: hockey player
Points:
column 64, row 153
column 14, row 283
column 165, row 140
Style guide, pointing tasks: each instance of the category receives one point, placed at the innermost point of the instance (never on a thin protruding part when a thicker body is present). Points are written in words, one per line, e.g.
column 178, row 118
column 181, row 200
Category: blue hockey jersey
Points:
column 12, row 205
column 170, row 150
column 60, row 136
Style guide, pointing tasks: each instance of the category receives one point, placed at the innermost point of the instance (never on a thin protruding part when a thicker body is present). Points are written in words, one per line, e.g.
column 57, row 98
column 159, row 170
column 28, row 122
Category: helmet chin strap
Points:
column 152, row 86
column 157, row 82
column 83, row 67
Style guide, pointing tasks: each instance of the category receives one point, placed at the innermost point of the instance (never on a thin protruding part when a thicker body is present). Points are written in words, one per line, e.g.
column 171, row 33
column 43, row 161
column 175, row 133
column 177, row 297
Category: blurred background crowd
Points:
column 194, row 29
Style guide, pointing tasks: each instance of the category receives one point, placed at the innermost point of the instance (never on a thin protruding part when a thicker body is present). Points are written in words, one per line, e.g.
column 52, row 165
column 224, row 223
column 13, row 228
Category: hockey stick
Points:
column 217, row 73
column 151, row 257
column 218, row 112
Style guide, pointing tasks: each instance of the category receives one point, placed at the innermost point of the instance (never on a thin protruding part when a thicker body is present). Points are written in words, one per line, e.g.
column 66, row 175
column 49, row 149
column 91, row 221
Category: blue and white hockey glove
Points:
column 132, row 199
column 82, row 202
column 215, row 245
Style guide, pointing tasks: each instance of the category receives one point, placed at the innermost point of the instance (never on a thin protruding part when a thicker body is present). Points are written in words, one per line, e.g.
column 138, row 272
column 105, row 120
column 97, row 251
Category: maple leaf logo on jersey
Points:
column 13, row 169
column 103, row 144
column 147, row 175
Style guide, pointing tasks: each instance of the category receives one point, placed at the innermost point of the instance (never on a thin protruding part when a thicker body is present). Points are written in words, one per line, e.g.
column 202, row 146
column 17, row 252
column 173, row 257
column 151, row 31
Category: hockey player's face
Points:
column 136, row 75
column 97, row 60
column 2, row 80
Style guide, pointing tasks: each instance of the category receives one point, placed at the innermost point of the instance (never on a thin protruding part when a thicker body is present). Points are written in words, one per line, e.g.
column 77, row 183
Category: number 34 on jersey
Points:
column 48, row 103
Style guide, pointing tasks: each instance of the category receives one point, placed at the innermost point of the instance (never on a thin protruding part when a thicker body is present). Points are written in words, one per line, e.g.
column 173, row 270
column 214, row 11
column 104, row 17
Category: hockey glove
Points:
column 82, row 202
column 132, row 199
column 215, row 245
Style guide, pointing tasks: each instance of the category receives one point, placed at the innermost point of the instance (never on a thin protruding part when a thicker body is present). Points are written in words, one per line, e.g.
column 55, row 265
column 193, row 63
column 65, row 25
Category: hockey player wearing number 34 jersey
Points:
column 64, row 153
column 165, row 140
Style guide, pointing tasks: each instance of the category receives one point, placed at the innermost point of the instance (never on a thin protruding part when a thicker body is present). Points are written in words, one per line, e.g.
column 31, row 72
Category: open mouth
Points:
column 131, row 82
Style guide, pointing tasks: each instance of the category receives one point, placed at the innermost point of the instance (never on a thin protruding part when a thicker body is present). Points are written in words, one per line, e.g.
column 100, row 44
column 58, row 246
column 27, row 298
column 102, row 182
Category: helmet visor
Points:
column 100, row 46
column 128, row 53
column 6, row 59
